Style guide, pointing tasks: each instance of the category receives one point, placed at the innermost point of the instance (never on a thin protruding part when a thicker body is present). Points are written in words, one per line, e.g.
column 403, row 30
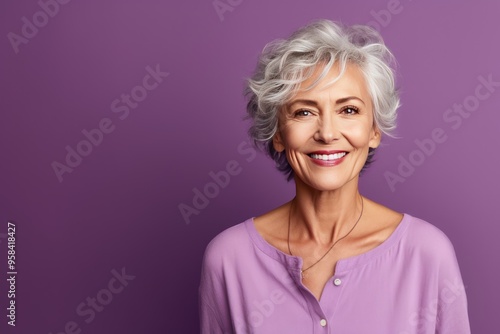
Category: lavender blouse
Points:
column 409, row 284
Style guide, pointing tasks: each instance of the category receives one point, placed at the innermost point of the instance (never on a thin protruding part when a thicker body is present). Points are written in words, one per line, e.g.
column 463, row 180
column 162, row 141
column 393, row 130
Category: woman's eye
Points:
column 350, row 110
column 303, row 113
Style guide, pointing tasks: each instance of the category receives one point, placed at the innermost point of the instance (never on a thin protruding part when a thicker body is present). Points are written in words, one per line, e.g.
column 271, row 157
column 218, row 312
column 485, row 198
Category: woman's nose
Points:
column 328, row 130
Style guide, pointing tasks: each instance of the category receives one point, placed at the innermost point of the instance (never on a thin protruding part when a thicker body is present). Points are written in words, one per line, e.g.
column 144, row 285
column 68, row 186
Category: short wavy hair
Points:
column 285, row 63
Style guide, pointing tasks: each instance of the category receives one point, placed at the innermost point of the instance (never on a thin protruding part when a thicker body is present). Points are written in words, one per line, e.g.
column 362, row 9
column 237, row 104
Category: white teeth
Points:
column 327, row 157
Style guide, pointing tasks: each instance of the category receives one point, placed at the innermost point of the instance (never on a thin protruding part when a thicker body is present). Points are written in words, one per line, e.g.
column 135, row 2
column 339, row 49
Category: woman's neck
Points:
column 324, row 216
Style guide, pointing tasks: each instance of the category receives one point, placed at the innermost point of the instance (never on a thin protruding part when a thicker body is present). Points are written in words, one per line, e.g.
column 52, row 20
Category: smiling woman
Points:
column 329, row 260
column 323, row 114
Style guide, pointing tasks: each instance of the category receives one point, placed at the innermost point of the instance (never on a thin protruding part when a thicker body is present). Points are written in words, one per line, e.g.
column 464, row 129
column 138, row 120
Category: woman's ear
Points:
column 278, row 142
column 375, row 137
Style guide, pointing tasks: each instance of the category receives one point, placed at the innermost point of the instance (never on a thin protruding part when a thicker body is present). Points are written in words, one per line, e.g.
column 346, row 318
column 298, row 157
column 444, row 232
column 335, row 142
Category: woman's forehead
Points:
column 350, row 83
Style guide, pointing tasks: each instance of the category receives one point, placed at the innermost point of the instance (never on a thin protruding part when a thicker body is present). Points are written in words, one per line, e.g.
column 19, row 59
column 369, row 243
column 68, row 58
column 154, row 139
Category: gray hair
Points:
column 285, row 63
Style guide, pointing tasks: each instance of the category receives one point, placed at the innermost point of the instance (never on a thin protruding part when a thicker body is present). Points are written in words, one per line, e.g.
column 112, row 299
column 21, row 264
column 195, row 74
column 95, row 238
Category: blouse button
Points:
column 322, row 322
column 337, row 281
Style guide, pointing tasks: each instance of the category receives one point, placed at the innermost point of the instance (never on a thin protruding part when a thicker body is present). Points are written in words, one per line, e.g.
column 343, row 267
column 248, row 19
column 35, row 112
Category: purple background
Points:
column 119, row 207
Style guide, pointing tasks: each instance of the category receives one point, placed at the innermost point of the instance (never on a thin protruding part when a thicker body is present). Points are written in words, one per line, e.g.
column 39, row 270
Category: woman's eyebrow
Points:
column 303, row 101
column 315, row 103
column 345, row 99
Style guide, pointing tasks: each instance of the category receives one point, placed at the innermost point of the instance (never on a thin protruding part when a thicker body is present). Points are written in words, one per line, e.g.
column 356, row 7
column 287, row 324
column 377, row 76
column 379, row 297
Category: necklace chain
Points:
column 328, row 251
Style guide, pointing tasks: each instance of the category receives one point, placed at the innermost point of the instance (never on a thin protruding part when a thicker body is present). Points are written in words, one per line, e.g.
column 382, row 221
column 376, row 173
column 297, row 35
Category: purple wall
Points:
column 113, row 211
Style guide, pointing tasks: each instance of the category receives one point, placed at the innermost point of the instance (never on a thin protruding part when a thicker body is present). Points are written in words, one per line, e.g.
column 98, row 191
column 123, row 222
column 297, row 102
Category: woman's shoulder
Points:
column 226, row 242
column 418, row 234
column 422, row 231
column 428, row 240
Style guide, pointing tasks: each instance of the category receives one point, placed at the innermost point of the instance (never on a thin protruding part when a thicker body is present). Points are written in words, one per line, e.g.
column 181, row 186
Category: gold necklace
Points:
column 321, row 258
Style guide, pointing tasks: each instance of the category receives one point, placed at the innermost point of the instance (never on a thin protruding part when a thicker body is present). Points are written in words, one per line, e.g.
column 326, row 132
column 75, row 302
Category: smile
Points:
column 328, row 157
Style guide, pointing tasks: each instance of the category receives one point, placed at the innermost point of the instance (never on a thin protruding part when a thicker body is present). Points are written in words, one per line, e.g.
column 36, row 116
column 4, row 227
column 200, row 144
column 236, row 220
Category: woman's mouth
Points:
column 328, row 157
column 328, row 160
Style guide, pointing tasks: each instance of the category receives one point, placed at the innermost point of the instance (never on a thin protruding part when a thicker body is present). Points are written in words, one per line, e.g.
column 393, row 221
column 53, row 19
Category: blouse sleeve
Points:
column 209, row 320
column 452, row 316
column 213, row 308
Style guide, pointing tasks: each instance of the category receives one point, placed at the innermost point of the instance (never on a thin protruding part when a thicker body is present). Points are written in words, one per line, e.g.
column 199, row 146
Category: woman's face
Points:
column 326, row 131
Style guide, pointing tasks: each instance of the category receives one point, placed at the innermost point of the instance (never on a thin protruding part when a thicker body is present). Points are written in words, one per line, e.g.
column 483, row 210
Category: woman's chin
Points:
column 326, row 183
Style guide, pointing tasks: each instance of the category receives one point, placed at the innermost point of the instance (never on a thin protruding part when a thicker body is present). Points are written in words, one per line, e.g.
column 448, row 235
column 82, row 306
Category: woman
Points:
column 329, row 260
